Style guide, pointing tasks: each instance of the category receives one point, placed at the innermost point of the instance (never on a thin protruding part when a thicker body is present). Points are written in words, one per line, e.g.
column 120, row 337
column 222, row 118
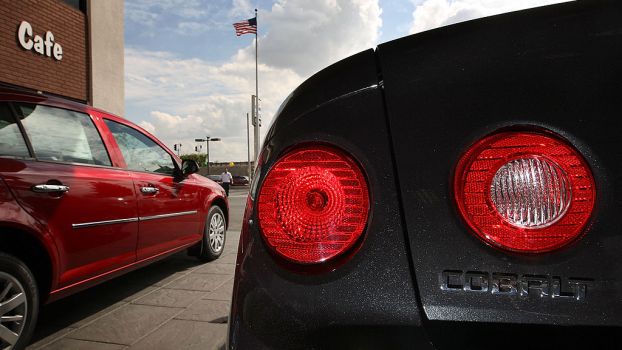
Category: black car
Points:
column 215, row 178
column 458, row 188
column 239, row 180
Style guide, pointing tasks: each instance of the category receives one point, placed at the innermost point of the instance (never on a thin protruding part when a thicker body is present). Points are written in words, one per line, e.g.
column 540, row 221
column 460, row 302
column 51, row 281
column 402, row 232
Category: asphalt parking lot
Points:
column 177, row 303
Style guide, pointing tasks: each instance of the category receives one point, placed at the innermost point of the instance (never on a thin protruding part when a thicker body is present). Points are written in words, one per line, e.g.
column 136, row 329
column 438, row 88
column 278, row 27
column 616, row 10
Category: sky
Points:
column 187, row 75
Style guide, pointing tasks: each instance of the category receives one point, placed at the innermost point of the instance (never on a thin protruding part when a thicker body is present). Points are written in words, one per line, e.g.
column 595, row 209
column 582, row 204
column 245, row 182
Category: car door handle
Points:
column 45, row 188
column 149, row 190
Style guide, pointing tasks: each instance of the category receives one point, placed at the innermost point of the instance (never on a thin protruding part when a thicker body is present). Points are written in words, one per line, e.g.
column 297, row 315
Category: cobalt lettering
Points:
column 540, row 286
column 46, row 47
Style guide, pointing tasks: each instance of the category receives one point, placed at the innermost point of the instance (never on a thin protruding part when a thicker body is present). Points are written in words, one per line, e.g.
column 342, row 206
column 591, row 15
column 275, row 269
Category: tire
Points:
column 17, row 286
column 214, row 235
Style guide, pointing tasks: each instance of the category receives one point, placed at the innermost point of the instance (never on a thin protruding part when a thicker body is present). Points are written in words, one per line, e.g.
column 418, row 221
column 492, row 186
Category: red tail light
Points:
column 313, row 204
column 524, row 191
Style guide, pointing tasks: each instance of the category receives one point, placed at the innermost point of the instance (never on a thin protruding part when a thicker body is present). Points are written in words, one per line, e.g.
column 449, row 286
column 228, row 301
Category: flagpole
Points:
column 256, row 91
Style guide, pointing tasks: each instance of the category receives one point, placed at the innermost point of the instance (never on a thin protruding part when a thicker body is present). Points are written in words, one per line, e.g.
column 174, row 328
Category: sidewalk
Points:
column 177, row 303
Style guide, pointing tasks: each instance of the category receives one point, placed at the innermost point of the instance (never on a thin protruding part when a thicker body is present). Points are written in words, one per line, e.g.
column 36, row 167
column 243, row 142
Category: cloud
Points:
column 188, row 9
column 189, row 98
column 436, row 13
column 140, row 15
column 156, row 18
column 192, row 98
column 241, row 9
column 306, row 36
column 147, row 126
column 192, row 28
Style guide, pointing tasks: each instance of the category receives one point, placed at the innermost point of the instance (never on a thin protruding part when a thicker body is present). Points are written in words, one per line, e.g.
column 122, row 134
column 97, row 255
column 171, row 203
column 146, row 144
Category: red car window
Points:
column 61, row 135
column 140, row 152
column 12, row 141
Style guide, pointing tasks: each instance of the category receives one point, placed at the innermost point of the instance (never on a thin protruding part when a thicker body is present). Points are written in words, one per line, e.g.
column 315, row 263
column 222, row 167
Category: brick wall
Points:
column 68, row 77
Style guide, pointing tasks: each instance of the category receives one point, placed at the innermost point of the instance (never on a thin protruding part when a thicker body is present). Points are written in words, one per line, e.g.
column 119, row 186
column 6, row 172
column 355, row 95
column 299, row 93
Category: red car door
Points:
column 169, row 208
column 66, row 180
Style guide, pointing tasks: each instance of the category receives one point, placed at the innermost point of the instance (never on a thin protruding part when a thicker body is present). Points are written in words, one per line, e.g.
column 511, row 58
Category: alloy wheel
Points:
column 217, row 232
column 13, row 310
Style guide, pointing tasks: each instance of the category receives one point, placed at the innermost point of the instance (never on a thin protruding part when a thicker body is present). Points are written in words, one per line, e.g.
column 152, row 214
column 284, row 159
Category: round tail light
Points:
column 313, row 204
column 524, row 191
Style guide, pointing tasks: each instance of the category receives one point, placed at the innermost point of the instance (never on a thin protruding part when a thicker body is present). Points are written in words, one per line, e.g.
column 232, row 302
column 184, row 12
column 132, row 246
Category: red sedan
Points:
column 86, row 196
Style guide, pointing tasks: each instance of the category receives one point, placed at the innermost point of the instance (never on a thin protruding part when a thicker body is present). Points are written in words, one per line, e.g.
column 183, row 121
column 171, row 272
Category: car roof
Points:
column 16, row 94
column 9, row 93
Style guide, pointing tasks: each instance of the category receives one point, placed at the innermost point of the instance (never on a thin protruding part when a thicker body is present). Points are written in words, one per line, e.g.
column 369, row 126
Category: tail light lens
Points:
column 524, row 191
column 313, row 204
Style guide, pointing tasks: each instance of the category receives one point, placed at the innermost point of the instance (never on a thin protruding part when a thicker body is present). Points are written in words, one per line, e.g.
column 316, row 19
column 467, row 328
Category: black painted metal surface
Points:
column 556, row 68
column 364, row 300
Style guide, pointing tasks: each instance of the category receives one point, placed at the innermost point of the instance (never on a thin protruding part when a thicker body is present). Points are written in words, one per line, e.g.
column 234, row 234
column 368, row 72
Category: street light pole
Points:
column 248, row 146
column 207, row 154
column 207, row 139
column 255, row 118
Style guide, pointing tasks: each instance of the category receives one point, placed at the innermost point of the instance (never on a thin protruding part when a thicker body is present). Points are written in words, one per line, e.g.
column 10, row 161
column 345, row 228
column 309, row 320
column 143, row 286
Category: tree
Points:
column 198, row 157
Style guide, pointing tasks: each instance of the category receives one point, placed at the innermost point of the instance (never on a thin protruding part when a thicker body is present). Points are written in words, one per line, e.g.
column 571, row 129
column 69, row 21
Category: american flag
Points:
column 248, row 26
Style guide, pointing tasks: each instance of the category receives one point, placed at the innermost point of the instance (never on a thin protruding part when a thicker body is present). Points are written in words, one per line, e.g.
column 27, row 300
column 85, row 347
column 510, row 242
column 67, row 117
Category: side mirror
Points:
column 189, row 167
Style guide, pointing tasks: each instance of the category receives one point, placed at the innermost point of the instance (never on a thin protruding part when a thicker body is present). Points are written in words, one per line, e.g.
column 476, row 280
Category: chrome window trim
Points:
column 79, row 164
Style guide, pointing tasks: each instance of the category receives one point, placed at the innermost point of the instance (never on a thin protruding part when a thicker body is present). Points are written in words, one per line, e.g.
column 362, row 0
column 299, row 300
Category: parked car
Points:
column 240, row 180
column 457, row 188
column 86, row 196
column 215, row 178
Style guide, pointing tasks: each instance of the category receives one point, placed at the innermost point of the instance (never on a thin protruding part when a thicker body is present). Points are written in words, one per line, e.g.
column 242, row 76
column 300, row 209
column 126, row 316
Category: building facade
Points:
column 69, row 48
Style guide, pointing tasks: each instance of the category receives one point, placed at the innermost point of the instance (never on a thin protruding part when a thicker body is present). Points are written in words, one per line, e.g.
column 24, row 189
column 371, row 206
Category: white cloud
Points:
column 193, row 98
column 435, row 13
column 192, row 28
column 147, row 126
column 241, row 9
column 151, row 18
column 136, row 9
column 306, row 36
column 140, row 15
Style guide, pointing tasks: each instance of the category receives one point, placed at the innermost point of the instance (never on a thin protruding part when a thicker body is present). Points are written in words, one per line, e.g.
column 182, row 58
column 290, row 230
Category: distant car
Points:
column 86, row 196
column 215, row 178
column 240, row 180
column 455, row 189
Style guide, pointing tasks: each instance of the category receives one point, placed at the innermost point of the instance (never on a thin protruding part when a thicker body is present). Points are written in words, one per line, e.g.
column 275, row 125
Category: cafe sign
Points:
column 43, row 45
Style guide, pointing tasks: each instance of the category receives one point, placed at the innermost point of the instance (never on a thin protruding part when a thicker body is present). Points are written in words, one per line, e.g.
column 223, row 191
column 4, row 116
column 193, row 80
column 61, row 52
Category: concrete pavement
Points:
column 177, row 303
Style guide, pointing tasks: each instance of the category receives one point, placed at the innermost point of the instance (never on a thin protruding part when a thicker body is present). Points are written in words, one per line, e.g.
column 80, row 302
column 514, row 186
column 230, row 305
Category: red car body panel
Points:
column 174, row 198
column 83, row 251
column 96, row 194
column 15, row 218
